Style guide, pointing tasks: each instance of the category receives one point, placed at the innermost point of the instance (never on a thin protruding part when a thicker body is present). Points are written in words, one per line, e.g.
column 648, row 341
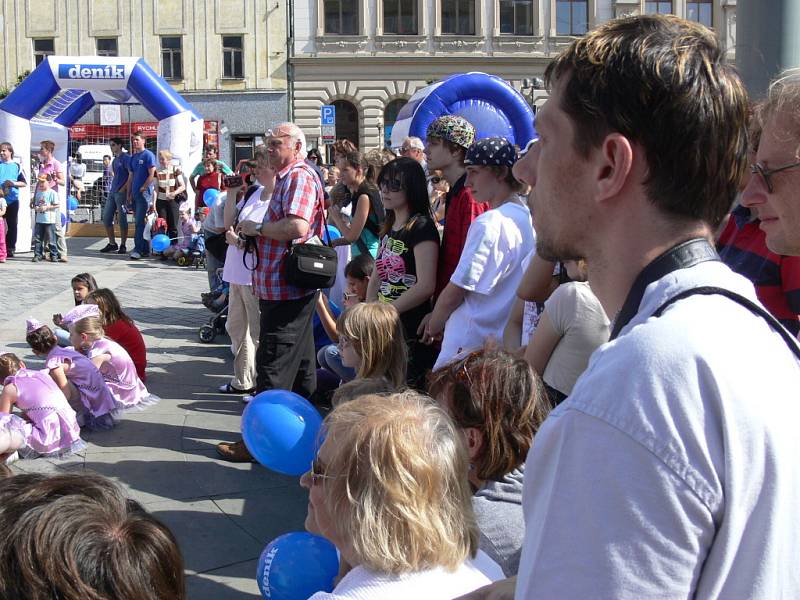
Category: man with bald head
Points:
column 285, row 359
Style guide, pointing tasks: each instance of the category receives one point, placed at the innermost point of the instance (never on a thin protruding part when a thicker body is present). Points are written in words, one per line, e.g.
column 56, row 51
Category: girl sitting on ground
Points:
column 119, row 372
column 498, row 404
column 120, row 327
column 76, row 376
column 82, row 285
column 371, row 342
column 188, row 228
column 48, row 426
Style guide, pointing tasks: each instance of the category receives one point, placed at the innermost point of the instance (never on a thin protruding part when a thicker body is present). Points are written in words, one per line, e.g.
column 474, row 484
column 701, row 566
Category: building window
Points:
column 400, row 17
column 572, row 17
column 232, row 67
column 172, row 57
column 658, row 8
column 516, row 17
column 346, row 121
column 458, row 17
column 107, row 47
column 341, row 17
column 43, row 48
column 700, row 11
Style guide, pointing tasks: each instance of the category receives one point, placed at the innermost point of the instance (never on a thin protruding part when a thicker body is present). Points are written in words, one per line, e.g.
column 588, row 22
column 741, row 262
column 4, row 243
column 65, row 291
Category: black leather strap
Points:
column 748, row 304
column 684, row 255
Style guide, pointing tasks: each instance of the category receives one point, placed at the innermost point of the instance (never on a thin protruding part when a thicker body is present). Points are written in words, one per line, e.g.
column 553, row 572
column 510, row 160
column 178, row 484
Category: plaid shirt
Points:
column 297, row 193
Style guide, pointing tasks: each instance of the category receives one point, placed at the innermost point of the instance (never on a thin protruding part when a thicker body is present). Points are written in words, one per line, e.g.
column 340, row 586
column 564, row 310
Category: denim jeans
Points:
column 141, row 203
column 45, row 233
column 115, row 204
column 330, row 358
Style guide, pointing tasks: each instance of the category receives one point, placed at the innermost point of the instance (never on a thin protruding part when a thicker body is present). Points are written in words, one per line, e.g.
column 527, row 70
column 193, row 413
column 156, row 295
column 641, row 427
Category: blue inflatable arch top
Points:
column 487, row 101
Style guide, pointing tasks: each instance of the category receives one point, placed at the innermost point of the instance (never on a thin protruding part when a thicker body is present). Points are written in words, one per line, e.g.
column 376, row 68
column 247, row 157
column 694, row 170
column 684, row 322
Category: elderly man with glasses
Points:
column 285, row 359
column 773, row 189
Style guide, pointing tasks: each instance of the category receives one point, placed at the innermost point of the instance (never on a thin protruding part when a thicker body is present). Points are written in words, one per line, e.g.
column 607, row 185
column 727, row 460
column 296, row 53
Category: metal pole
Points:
column 768, row 41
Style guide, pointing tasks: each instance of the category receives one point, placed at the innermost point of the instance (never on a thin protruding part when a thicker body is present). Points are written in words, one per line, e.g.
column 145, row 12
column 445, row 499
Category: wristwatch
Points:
column 259, row 228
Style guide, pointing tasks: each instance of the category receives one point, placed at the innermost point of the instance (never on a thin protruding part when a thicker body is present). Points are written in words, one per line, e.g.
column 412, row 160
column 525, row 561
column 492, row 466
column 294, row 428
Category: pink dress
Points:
column 49, row 427
column 120, row 375
column 97, row 403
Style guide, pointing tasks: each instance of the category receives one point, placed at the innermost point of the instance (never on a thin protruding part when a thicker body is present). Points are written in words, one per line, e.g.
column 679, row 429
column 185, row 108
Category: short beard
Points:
column 553, row 252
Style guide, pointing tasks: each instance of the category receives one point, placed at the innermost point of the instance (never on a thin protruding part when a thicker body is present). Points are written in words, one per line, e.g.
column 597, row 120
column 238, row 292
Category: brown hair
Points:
column 41, row 340
column 138, row 133
column 663, row 83
column 9, row 146
column 505, row 175
column 9, row 364
column 76, row 536
column 451, row 147
column 502, row 397
column 343, row 147
column 48, row 145
column 110, row 308
column 369, row 386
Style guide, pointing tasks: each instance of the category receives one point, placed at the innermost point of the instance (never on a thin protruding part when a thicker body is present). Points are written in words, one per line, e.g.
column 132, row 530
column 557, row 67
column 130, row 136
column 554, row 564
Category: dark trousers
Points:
column 45, row 233
column 12, row 213
column 285, row 359
column 168, row 209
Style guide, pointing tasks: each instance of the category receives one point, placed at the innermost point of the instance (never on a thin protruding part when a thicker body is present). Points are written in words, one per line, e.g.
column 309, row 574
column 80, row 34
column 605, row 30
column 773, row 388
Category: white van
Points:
column 92, row 156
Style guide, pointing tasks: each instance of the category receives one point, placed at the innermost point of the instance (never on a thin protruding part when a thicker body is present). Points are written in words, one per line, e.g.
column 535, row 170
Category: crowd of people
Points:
column 558, row 388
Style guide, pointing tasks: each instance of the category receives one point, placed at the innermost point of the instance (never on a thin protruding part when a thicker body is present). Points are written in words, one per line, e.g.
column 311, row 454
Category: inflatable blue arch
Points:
column 487, row 101
column 62, row 89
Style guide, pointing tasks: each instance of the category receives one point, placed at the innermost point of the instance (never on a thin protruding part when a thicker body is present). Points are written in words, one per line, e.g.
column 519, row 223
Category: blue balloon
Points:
column 296, row 566
column 63, row 220
column 159, row 243
column 280, row 429
column 210, row 196
column 72, row 203
column 333, row 233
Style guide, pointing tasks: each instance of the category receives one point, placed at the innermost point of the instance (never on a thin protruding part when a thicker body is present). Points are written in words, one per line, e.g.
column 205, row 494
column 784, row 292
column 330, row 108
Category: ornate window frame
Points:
column 591, row 8
column 447, row 42
column 333, row 42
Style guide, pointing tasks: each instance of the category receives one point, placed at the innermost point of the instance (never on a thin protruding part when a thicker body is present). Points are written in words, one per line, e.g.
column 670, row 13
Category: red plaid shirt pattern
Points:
column 298, row 192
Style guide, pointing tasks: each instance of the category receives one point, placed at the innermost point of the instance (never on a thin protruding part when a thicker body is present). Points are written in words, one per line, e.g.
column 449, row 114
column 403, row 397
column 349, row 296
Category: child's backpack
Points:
column 160, row 226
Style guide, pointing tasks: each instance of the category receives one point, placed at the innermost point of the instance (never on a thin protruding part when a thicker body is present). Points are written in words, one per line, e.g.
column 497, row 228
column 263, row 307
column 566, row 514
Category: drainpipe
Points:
column 289, row 57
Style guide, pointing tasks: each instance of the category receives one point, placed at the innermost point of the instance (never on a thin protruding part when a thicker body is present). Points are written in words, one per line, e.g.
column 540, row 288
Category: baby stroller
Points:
column 217, row 302
column 195, row 253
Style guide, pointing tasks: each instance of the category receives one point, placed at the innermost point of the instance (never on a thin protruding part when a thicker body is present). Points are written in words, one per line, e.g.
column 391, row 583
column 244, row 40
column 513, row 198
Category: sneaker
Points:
column 247, row 398
column 109, row 247
column 54, row 259
column 135, row 255
column 11, row 458
column 122, row 249
column 235, row 452
column 36, row 259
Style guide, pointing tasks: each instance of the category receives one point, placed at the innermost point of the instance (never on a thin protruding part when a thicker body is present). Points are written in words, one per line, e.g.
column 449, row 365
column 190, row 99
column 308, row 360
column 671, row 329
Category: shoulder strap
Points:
column 754, row 308
column 313, row 173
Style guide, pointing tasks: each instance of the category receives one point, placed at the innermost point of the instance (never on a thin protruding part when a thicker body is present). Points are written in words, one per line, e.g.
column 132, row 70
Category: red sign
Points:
column 149, row 129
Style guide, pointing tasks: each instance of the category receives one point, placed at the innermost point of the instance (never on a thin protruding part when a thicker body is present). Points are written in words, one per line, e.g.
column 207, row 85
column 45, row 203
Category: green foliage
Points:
column 5, row 91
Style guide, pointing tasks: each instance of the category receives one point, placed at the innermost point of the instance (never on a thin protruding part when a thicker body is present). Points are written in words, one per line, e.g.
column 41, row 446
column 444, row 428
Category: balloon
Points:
column 72, row 203
column 63, row 220
column 159, row 242
column 280, row 430
column 333, row 233
column 210, row 196
column 297, row 565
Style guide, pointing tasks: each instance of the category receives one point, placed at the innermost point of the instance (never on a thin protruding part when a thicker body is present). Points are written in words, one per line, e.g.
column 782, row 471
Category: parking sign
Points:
column 327, row 114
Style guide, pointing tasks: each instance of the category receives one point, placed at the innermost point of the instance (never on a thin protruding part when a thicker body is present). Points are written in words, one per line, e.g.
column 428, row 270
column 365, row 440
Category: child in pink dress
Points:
column 77, row 377
column 48, row 426
column 114, row 363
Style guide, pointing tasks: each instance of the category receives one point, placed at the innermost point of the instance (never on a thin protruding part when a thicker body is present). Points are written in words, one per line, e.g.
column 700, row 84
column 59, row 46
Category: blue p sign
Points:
column 327, row 114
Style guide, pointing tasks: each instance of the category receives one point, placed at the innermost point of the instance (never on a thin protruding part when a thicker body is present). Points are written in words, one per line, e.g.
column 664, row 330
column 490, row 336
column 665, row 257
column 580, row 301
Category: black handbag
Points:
column 311, row 266
column 216, row 245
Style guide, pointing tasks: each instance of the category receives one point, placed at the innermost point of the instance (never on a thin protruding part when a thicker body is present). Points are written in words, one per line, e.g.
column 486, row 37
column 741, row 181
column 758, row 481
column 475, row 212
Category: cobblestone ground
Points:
column 223, row 514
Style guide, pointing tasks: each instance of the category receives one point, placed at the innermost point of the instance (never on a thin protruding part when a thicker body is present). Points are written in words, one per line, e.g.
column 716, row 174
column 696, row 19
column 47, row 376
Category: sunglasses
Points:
column 391, row 186
column 766, row 173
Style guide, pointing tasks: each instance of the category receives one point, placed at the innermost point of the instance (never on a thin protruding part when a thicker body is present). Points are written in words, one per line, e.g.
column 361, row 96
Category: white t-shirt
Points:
column 77, row 170
column 235, row 270
column 490, row 270
column 672, row 469
column 578, row 316
column 435, row 584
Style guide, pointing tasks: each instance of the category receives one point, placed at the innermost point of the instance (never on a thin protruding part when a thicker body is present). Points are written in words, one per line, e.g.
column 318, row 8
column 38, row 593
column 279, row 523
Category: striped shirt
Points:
column 298, row 192
column 167, row 180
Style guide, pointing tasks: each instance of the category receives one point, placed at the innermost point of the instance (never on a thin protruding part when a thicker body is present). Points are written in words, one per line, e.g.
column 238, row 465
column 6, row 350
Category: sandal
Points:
column 229, row 389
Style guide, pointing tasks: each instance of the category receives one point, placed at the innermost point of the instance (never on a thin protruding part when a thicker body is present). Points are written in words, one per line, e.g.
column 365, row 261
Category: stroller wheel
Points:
column 182, row 261
column 207, row 334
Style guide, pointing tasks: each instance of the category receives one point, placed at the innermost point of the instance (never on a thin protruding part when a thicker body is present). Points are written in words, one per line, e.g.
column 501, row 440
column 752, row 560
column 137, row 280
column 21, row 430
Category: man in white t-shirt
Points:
column 475, row 305
column 669, row 472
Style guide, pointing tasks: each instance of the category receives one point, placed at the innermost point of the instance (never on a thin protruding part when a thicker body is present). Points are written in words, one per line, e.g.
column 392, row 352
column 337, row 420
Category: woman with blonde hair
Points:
column 371, row 341
column 170, row 192
column 388, row 489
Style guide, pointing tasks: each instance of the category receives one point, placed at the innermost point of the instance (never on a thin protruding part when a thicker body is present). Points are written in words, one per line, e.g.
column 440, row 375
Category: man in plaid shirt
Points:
column 285, row 359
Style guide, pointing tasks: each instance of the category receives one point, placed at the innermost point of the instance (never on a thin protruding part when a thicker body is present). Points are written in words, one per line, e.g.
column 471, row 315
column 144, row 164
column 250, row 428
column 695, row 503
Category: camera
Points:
column 234, row 181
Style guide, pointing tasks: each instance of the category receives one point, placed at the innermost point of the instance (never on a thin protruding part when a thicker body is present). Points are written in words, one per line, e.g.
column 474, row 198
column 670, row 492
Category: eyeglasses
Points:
column 391, row 186
column 434, row 180
column 765, row 173
column 317, row 472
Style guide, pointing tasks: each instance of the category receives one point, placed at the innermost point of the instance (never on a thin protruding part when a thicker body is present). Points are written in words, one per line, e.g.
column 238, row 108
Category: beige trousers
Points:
column 243, row 326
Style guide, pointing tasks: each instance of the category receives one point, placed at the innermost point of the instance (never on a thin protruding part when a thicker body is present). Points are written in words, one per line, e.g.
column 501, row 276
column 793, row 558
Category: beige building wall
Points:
column 75, row 26
column 371, row 68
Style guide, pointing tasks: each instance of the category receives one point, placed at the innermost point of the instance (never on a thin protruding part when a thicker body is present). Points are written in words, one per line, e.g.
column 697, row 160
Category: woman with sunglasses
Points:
column 389, row 489
column 405, row 269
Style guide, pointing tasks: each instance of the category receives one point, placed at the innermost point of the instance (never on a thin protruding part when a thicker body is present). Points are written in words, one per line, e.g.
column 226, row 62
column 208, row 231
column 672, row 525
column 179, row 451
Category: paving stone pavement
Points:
column 223, row 514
